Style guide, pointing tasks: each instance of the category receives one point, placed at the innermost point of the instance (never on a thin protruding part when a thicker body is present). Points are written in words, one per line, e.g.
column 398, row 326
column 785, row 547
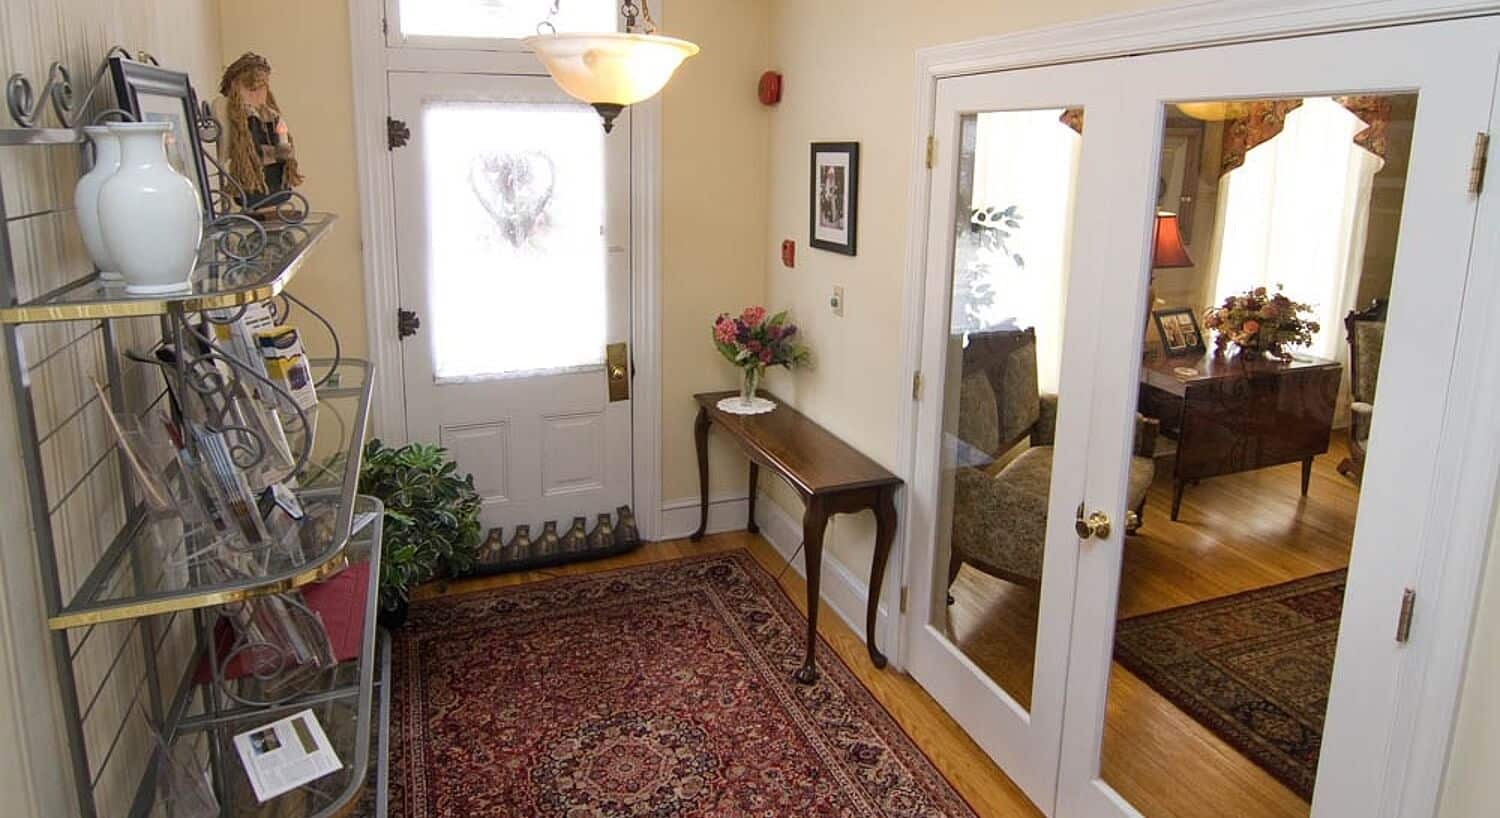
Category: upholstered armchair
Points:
column 1365, row 330
column 1000, row 508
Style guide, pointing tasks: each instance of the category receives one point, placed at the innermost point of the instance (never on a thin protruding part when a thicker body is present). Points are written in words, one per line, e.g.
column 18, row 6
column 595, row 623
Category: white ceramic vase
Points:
column 86, row 198
column 149, row 213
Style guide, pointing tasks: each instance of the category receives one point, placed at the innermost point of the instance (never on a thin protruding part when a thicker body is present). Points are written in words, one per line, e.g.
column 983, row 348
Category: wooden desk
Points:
column 1236, row 415
column 832, row 477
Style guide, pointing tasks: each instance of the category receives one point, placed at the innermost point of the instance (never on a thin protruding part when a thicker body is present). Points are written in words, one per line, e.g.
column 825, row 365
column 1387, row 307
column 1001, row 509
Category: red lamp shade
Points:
column 1167, row 249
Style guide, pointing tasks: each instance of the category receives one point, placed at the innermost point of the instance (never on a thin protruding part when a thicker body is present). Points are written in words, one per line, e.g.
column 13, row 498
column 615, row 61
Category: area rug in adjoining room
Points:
column 1254, row 668
column 663, row 690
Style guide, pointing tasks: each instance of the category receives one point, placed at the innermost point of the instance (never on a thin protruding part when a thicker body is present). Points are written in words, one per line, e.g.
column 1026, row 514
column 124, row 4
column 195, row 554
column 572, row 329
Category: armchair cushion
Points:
column 1045, row 432
column 1000, row 522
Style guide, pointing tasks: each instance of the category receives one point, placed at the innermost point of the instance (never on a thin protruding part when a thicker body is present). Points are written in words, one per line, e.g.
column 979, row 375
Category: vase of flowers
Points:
column 1260, row 323
column 752, row 341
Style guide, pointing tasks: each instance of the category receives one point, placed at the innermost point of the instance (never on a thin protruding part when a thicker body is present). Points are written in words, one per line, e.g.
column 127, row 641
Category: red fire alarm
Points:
column 770, row 88
column 789, row 253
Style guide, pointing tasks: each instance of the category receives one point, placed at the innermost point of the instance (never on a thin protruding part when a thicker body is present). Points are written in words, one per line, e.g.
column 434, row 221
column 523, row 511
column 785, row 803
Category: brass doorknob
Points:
column 617, row 372
column 1095, row 525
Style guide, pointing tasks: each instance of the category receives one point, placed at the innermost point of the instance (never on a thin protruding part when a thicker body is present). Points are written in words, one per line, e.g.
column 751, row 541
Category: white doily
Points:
column 756, row 406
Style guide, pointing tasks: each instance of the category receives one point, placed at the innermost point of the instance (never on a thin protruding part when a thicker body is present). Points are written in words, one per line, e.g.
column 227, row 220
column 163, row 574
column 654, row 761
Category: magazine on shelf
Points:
column 286, row 754
column 235, row 336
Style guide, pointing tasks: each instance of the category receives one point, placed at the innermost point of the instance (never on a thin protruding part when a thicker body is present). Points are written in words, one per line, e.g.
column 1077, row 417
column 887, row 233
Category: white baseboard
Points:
column 679, row 518
column 843, row 590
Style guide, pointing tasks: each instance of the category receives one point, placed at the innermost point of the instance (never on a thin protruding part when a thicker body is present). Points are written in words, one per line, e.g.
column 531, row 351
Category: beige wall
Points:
column 308, row 47
column 714, row 210
column 849, row 68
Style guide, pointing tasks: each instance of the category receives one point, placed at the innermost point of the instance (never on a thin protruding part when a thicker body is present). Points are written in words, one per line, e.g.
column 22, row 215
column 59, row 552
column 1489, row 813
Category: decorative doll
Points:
column 255, row 144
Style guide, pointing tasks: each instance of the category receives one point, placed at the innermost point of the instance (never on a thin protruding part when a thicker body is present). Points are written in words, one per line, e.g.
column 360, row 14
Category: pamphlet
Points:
column 284, row 755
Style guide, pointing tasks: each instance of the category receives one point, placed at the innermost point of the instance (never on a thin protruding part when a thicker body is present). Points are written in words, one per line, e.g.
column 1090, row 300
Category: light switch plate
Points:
column 836, row 302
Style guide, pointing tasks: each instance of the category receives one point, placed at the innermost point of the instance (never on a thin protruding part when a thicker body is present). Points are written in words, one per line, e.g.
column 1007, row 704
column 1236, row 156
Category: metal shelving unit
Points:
column 146, row 578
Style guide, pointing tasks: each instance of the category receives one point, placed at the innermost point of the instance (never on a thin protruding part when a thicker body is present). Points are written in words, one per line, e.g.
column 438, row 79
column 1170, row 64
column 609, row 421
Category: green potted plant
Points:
column 431, row 519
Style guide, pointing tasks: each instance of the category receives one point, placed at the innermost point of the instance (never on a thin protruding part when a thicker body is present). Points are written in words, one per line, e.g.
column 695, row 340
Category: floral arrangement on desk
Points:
column 1259, row 322
column 752, row 342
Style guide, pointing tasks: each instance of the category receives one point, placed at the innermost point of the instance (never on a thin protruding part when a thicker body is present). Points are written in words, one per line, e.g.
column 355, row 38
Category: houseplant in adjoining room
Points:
column 431, row 519
column 1260, row 323
column 751, row 341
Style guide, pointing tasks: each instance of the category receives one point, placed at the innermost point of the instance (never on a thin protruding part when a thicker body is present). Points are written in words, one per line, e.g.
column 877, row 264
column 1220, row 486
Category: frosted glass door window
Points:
column 516, row 251
column 501, row 19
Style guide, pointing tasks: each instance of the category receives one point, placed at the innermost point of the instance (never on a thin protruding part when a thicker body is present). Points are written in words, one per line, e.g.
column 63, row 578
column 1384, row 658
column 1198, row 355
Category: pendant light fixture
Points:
column 610, row 70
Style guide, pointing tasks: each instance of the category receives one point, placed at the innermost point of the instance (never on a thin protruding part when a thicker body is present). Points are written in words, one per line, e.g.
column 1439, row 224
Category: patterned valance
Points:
column 1257, row 122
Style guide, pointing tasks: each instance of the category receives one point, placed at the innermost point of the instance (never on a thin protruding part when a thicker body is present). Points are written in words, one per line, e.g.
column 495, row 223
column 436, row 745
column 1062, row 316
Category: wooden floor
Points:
column 1235, row 533
column 967, row 768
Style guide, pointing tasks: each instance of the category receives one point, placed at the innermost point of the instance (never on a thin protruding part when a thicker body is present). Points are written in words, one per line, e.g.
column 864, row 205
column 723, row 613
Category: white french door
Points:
column 512, row 218
column 1401, row 532
column 1046, row 189
column 1008, row 166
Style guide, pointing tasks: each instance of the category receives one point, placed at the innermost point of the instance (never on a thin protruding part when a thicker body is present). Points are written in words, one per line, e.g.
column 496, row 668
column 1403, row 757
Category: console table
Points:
column 832, row 478
column 1235, row 414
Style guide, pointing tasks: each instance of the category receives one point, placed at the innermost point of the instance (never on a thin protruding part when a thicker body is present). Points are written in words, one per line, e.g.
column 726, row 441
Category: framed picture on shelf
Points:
column 151, row 93
column 1180, row 334
column 833, row 210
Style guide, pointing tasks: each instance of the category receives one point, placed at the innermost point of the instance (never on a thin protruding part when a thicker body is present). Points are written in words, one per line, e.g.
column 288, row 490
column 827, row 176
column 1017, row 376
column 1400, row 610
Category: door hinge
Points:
column 916, row 385
column 1479, row 162
column 385, row 26
column 396, row 134
column 1403, row 623
column 407, row 323
column 931, row 151
column 904, row 595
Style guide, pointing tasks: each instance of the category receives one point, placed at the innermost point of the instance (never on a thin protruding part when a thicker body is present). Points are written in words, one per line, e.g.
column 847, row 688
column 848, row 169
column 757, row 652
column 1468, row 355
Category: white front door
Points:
column 1009, row 325
column 1367, row 138
column 512, row 214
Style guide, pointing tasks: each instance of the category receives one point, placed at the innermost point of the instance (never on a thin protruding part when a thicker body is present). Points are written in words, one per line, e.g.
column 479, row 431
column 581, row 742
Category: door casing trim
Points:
column 372, row 61
column 1427, row 714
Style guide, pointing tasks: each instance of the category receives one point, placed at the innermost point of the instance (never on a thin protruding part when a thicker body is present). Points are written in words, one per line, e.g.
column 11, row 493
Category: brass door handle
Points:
column 1132, row 521
column 617, row 372
column 1095, row 525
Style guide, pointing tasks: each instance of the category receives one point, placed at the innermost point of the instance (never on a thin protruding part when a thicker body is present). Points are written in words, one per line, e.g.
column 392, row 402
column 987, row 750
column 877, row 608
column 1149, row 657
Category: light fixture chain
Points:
column 642, row 12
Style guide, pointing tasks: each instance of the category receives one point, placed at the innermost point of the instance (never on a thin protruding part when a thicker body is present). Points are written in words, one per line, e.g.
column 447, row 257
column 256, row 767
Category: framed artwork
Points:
column 1179, row 331
column 833, row 212
column 151, row 93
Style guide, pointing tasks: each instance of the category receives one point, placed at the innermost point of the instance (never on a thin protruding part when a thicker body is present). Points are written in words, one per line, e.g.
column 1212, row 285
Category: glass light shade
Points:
column 611, row 68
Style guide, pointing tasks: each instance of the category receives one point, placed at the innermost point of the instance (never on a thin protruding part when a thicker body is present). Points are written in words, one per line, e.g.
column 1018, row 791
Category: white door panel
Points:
column 513, row 236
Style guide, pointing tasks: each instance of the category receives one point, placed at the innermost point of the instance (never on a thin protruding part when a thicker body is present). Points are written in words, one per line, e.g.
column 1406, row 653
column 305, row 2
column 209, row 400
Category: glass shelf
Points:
column 217, row 282
column 351, row 702
column 149, row 569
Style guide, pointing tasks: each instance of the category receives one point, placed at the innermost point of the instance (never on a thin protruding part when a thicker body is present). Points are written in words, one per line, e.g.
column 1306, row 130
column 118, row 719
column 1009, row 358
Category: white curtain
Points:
column 1029, row 159
column 1295, row 214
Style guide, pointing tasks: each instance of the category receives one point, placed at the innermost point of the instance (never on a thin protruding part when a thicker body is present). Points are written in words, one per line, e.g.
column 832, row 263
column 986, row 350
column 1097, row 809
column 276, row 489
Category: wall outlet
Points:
column 836, row 301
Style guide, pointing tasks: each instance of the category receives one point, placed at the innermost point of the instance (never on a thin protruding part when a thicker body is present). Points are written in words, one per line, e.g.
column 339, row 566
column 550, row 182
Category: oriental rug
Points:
column 1254, row 668
column 662, row 690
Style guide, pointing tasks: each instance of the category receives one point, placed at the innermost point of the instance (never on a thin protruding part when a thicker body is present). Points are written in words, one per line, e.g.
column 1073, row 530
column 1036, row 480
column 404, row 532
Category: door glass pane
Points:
column 1274, row 239
column 515, row 237
column 505, row 19
column 1017, row 173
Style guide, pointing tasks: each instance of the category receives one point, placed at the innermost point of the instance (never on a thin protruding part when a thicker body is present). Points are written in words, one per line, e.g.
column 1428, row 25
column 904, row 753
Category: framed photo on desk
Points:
column 1180, row 334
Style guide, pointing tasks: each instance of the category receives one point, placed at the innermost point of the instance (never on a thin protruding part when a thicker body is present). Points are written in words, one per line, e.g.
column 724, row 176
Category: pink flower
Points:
column 765, row 355
column 1251, row 327
column 752, row 316
column 724, row 331
column 753, row 346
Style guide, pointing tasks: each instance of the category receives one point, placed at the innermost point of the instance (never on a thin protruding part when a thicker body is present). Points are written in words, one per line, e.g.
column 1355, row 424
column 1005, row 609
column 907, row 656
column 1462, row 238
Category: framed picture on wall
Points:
column 833, row 211
column 151, row 93
column 1180, row 334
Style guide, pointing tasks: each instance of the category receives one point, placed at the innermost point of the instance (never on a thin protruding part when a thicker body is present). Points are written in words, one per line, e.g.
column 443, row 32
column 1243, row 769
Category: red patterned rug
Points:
column 650, row 692
column 1255, row 668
